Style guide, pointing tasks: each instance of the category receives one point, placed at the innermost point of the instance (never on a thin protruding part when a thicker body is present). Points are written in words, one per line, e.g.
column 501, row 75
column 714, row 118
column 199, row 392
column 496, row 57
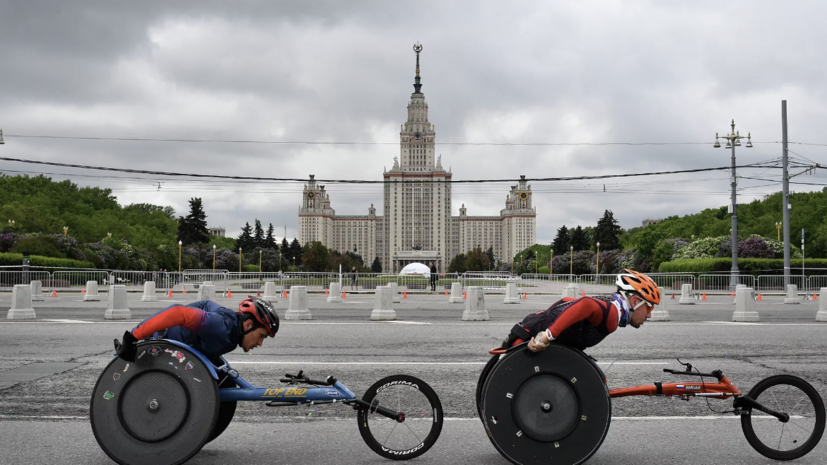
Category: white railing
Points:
column 778, row 284
column 76, row 280
column 8, row 279
column 538, row 283
column 720, row 283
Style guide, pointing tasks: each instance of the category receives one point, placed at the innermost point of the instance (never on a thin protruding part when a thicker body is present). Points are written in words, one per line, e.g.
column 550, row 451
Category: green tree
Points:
column 608, row 232
column 270, row 240
column 376, row 267
column 476, row 260
column 258, row 235
column 245, row 239
column 192, row 229
column 561, row 241
column 490, row 253
column 579, row 240
column 457, row 264
column 315, row 257
column 285, row 252
column 296, row 251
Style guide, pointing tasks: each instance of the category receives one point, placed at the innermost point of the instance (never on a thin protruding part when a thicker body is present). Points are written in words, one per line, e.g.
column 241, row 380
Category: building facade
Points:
column 416, row 224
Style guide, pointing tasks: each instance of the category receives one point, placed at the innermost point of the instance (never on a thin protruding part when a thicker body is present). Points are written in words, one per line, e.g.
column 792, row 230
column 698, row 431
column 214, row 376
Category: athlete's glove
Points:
column 538, row 340
column 127, row 349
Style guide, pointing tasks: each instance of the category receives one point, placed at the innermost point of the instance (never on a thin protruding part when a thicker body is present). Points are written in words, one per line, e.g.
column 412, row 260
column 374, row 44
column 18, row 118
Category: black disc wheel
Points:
column 546, row 407
column 789, row 438
column 162, row 406
column 486, row 370
column 418, row 426
column 226, row 411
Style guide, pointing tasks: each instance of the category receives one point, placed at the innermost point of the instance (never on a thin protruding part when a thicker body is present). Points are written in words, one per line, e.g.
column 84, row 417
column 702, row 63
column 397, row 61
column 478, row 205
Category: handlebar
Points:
column 717, row 374
column 300, row 379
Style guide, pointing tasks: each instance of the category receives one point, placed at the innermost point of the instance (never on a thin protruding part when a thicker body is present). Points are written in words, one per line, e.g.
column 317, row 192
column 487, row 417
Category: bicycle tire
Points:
column 486, row 370
column 405, row 389
column 226, row 411
column 770, row 399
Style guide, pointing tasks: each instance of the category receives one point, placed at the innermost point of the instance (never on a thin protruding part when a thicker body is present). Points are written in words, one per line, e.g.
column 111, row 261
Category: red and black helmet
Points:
column 263, row 312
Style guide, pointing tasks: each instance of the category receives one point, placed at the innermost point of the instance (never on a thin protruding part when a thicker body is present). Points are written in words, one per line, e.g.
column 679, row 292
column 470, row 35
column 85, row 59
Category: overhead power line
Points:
column 362, row 181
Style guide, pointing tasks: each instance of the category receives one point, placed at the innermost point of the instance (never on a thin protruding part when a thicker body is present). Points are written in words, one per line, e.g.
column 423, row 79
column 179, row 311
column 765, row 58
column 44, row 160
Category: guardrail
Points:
column 9, row 279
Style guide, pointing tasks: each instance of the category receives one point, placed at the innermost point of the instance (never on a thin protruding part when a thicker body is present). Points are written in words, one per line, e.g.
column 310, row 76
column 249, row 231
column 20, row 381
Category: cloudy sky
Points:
column 560, row 75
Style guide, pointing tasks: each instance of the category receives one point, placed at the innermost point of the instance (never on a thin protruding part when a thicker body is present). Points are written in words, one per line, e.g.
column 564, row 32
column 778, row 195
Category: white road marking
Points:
column 68, row 321
column 232, row 362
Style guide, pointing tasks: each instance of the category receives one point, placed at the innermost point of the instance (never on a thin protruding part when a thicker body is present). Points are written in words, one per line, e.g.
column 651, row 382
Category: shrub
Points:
column 754, row 266
column 44, row 246
column 16, row 259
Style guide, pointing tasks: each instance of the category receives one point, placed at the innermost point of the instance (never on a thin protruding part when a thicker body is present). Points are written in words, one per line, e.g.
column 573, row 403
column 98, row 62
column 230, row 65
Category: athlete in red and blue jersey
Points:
column 586, row 321
column 207, row 327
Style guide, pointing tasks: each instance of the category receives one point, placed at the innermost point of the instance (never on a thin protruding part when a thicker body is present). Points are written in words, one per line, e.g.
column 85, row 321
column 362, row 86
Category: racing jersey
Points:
column 580, row 323
column 205, row 326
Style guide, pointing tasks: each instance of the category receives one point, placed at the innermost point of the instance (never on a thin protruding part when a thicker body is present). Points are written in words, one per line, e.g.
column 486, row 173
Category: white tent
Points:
column 416, row 268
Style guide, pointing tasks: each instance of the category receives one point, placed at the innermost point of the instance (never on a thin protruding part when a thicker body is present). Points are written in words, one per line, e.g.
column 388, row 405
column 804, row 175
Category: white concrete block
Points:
column 475, row 305
column 149, row 292
column 270, row 293
column 687, row 296
column 792, row 294
column 37, row 291
column 745, row 305
column 572, row 290
column 91, row 292
column 822, row 305
column 511, row 296
column 206, row 292
column 383, row 304
column 456, row 294
column 334, row 293
column 297, row 304
column 397, row 298
column 660, row 313
column 118, row 308
column 21, row 303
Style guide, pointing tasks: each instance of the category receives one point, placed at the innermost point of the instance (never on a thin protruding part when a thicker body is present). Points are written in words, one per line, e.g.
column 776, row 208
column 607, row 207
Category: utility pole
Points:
column 785, row 198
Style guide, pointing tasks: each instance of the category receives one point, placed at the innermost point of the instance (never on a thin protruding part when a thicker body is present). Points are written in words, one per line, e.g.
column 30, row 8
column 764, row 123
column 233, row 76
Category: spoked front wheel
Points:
column 410, row 435
column 778, row 439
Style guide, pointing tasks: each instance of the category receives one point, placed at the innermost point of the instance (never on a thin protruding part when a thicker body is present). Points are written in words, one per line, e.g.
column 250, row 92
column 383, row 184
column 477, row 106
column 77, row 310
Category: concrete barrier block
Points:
column 149, row 292
column 118, row 308
column 687, row 295
column 297, row 304
column 37, row 291
column 511, row 296
column 397, row 298
column 270, row 293
column 206, row 292
column 21, row 303
column 475, row 305
column 383, row 304
column 572, row 290
column 822, row 305
column 91, row 292
column 456, row 294
column 792, row 295
column 660, row 313
column 745, row 305
column 334, row 293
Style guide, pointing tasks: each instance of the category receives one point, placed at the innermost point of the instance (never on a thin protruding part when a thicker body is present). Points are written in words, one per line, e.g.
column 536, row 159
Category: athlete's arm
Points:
column 585, row 309
column 190, row 318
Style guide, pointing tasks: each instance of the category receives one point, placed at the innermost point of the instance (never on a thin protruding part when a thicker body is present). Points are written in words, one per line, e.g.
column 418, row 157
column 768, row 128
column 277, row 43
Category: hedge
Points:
column 755, row 266
column 16, row 259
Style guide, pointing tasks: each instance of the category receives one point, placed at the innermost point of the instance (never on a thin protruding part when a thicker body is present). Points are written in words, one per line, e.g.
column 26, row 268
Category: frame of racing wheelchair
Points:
column 172, row 401
column 532, row 406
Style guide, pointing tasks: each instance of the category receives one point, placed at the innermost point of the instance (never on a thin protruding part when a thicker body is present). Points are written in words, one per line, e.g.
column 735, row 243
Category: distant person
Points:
column 354, row 278
column 433, row 277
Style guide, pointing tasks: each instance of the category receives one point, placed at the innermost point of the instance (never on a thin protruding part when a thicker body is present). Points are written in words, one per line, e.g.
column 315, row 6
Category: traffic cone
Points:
column 285, row 294
column 184, row 291
column 229, row 294
column 83, row 291
column 759, row 297
column 344, row 294
column 258, row 294
column 326, row 292
column 582, row 293
column 704, row 297
column 54, row 293
column 815, row 296
column 733, row 293
column 446, row 292
column 169, row 294
column 405, row 294
column 673, row 296
column 465, row 295
column 525, row 296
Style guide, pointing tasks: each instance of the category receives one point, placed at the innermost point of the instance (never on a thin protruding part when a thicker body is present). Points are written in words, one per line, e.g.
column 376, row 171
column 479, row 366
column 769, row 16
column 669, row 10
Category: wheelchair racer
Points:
column 586, row 321
column 207, row 327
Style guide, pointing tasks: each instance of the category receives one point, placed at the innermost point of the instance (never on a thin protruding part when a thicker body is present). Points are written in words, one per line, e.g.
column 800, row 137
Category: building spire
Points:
column 417, row 48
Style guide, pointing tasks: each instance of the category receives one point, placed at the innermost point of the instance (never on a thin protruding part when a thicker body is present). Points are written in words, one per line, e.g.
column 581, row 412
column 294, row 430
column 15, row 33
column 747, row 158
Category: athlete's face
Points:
column 252, row 339
column 643, row 313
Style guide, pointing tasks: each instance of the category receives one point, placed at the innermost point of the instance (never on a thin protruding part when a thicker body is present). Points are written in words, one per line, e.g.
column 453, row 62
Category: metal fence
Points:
column 720, row 283
column 76, row 280
column 8, row 279
column 777, row 284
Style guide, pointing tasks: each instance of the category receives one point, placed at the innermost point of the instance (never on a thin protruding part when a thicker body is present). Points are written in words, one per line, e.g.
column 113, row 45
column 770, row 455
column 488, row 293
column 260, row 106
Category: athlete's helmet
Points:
column 632, row 282
column 263, row 312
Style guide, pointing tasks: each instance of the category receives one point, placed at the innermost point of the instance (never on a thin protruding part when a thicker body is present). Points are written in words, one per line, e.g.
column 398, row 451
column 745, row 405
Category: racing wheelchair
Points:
column 170, row 402
column 554, row 406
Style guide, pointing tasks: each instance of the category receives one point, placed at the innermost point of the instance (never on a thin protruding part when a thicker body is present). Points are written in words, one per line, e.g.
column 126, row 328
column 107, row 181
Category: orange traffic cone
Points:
column 83, row 291
column 344, row 294
column 815, row 296
column 285, row 294
column 759, row 297
column 184, row 291
column 733, row 293
column 54, row 293
column 465, row 295
column 258, row 294
column 169, row 294
column 704, row 296
column 446, row 292
column 673, row 296
column 582, row 293
column 229, row 294
column 525, row 296
column 405, row 294
column 326, row 292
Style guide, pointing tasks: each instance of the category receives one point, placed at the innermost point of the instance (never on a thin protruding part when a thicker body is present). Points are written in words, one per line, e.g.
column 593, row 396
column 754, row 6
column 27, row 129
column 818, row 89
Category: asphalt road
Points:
column 45, row 420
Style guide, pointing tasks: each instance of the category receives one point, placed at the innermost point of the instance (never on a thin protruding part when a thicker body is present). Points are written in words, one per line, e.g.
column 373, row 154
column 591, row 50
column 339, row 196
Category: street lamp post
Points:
column 179, row 255
column 213, row 258
column 778, row 227
column 259, row 262
column 571, row 260
column 733, row 140
column 239, row 259
column 109, row 235
column 598, row 258
column 65, row 231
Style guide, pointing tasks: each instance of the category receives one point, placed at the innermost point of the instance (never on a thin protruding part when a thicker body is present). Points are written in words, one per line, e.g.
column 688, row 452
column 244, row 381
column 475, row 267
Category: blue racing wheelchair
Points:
column 170, row 402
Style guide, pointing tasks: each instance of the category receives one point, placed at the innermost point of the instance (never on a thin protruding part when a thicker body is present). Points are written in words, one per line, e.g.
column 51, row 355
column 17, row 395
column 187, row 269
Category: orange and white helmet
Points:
column 639, row 284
